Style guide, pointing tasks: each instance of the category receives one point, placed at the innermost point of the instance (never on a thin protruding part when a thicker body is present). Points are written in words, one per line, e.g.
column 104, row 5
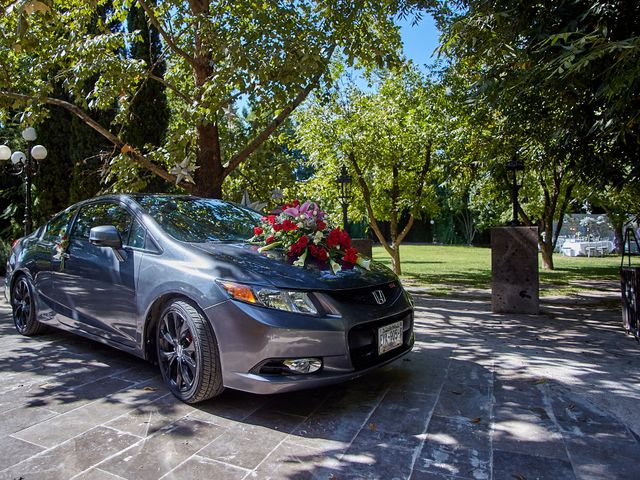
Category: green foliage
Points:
column 218, row 54
column 563, row 71
column 386, row 138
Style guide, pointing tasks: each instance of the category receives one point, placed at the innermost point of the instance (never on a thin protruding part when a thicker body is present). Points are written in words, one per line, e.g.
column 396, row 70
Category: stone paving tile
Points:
column 15, row 450
column 378, row 455
column 147, row 419
column 198, row 467
column 509, row 465
column 578, row 417
column 469, row 373
column 96, row 474
column 298, row 462
column 243, row 445
column 62, row 398
column 23, row 417
column 299, row 403
column 67, row 425
column 604, row 459
column 460, row 400
column 521, row 430
column 71, row 457
column 227, row 409
column 156, row 455
column 456, row 447
column 423, row 376
column 403, row 412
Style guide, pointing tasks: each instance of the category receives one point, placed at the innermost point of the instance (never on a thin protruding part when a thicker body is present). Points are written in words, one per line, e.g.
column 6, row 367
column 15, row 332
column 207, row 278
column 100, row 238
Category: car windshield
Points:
column 200, row 220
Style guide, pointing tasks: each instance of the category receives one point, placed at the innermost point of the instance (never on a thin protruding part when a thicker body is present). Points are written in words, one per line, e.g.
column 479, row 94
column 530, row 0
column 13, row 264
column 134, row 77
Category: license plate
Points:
column 389, row 337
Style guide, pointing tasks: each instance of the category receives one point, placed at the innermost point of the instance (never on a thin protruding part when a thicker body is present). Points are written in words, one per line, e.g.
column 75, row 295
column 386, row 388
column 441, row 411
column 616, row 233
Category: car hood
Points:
column 243, row 262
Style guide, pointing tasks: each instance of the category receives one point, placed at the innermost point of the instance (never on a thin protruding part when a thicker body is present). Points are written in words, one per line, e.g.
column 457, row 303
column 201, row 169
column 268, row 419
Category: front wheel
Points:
column 24, row 309
column 188, row 353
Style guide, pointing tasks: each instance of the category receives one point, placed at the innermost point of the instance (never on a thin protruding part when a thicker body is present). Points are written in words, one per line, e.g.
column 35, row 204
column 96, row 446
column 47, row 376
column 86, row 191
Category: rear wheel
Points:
column 23, row 307
column 188, row 353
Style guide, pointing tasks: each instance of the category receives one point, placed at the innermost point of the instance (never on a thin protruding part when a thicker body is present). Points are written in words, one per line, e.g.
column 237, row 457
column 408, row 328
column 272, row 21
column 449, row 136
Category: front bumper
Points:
column 249, row 335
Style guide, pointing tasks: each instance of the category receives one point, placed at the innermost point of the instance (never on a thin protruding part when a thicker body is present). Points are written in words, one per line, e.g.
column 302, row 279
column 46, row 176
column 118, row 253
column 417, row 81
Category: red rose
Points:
column 289, row 226
column 271, row 219
column 350, row 256
column 277, row 227
column 257, row 230
column 333, row 240
column 270, row 239
column 320, row 225
column 345, row 240
column 297, row 248
column 319, row 252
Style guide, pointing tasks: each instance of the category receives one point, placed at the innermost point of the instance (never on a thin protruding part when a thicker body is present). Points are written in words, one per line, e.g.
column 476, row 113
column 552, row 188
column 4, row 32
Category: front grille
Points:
column 365, row 296
column 363, row 341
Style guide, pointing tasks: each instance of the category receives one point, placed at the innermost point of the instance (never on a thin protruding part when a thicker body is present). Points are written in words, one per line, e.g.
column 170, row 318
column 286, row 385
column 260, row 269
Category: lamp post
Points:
column 515, row 173
column 344, row 188
column 26, row 166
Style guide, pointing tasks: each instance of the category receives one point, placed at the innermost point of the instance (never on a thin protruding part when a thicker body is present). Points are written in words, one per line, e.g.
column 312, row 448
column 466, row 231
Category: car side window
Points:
column 97, row 214
column 57, row 226
column 138, row 236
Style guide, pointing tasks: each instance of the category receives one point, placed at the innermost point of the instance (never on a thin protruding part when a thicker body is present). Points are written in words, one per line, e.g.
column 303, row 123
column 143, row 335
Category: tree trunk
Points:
column 395, row 260
column 546, row 249
column 209, row 176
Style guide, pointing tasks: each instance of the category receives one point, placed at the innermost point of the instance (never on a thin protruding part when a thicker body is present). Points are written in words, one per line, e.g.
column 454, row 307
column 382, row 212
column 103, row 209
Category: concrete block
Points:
column 515, row 286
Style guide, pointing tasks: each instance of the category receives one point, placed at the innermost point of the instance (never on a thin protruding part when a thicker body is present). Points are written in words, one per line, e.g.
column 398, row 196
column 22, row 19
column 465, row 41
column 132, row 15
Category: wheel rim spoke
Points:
column 21, row 303
column 177, row 351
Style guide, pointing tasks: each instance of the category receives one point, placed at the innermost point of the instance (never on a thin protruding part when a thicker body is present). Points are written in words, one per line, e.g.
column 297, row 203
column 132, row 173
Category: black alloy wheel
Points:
column 188, row 353
column 23, row 307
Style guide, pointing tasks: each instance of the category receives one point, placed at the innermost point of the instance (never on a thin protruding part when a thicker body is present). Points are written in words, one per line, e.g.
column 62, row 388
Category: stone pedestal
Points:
column 363, row 245
column 515, row 286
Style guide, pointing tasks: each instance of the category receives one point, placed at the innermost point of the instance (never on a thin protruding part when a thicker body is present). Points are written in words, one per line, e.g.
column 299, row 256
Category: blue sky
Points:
column 419, row 40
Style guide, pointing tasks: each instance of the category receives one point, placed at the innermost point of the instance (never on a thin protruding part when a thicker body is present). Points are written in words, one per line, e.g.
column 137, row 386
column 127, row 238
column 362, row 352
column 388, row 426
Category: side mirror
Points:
column 105, row 236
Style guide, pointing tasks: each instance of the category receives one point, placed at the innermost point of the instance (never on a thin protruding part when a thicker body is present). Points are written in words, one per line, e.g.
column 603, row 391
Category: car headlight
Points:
column 287, row 300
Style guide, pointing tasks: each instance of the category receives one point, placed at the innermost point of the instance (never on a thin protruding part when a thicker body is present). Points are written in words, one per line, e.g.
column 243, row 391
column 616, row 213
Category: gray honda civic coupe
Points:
column 172, row 279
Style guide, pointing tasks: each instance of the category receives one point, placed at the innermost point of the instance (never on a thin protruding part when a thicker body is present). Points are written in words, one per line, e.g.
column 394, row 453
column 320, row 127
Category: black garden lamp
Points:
column 344, row 189
column 25, row 166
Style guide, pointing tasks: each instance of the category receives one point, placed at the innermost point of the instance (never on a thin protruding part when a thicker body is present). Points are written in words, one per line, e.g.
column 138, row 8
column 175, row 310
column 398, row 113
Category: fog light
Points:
column 303, row 365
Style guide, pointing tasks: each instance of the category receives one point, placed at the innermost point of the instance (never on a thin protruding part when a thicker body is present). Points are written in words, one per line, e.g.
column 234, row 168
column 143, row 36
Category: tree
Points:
column 386, row 139
column 270, row 55
column 553, row 124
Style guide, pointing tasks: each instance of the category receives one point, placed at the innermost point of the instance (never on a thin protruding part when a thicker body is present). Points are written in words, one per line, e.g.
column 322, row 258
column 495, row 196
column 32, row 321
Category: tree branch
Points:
column 276, row 122
column 366, row 194
column 172, row 87
column 419, row 191
column 167, row 38
column 133, row 154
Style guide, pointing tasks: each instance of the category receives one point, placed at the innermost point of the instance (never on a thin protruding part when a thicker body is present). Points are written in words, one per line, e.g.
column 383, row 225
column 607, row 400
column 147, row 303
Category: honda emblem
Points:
column 379, row 296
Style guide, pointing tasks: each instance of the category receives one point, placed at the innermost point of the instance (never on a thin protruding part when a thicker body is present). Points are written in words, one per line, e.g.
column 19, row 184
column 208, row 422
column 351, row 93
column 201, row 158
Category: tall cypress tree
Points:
column 149, row 111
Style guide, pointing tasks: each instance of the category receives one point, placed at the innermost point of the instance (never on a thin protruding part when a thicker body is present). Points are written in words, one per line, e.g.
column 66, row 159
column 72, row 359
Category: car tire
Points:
column 24, row 308
column 187, row 352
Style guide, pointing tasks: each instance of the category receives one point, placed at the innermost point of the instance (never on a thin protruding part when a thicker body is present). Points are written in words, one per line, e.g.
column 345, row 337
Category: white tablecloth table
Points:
column 575, row 248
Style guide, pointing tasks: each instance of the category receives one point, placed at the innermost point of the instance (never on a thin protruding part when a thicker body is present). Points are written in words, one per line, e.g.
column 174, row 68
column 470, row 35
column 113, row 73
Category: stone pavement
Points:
column 482, row 396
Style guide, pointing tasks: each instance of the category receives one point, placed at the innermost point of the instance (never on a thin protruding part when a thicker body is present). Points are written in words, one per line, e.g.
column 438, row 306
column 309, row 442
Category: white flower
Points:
column 317, row 238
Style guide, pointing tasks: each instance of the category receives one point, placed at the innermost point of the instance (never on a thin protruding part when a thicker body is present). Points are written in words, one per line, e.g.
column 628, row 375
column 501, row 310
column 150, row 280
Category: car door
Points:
column 46, row 255
column 95, row 287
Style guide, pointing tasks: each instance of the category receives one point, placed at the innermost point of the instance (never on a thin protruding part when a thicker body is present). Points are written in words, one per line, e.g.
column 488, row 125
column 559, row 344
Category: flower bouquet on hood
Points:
column 301, row 231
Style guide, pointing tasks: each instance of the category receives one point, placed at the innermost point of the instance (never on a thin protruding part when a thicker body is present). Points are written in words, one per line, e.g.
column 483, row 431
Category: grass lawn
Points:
column 443, row 268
